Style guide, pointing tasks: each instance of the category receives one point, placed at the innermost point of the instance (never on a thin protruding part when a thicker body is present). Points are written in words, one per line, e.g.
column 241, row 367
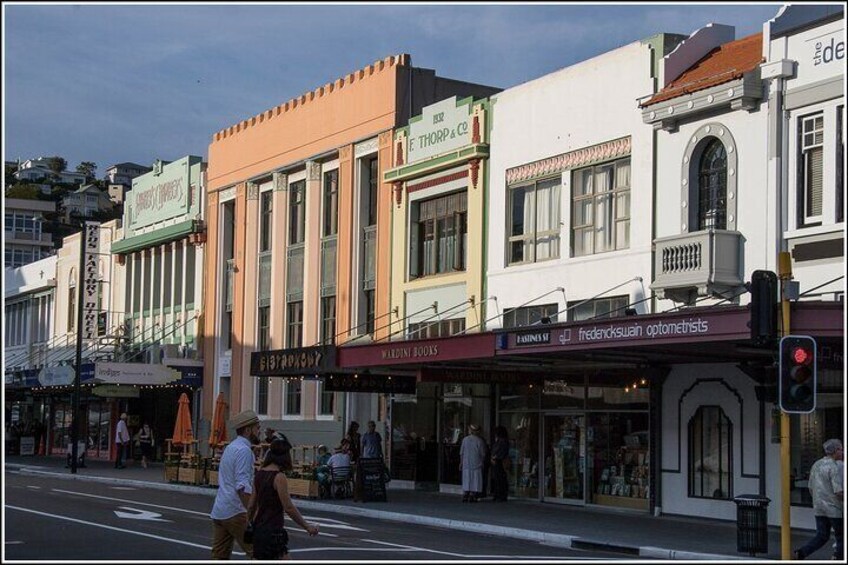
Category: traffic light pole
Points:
column 785, row 275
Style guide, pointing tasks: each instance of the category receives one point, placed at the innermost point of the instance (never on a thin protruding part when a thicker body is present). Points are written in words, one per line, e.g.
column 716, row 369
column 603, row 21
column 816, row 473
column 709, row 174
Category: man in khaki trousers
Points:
column 235, row 485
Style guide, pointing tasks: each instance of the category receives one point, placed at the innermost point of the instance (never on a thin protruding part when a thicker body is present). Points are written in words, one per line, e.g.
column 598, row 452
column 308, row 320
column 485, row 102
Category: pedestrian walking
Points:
column 122, row 441
column 354, row 439
column 144, row 437
column 826, row 487
column 372, row 442
column 472, row 455
column 235, row 485
column 270, row 499
column 500, row 464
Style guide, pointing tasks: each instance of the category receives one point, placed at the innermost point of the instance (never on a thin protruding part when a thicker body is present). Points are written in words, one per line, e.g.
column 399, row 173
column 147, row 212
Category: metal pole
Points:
column 784, row 265
column 78, row 371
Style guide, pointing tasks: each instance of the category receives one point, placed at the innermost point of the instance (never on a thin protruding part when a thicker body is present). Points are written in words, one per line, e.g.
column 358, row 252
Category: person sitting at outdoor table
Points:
column 341, row 456
column 322, row 470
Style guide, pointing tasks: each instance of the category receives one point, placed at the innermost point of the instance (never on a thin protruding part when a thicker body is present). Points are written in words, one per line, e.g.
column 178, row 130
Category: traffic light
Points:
column 797, row 374
column 763, row 307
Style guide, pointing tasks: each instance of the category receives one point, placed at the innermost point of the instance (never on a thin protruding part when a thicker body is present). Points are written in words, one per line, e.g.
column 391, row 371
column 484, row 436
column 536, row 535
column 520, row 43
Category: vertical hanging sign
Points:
column 91, row 247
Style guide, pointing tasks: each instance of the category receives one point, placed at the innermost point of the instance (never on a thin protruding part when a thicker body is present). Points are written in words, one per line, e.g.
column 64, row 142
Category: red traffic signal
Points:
column 797, row 374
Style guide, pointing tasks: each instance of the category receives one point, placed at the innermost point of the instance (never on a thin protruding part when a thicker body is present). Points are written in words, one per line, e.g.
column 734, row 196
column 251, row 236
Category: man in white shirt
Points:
column 235, row 485
column 122, row 441
column 826, row 487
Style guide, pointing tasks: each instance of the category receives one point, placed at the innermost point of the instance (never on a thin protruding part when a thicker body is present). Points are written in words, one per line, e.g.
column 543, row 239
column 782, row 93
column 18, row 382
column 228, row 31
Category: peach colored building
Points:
column 299, row 240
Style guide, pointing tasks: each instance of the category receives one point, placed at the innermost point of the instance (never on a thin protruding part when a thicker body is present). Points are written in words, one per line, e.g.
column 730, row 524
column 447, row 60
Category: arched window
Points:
column 712, row 187
column 710, row 454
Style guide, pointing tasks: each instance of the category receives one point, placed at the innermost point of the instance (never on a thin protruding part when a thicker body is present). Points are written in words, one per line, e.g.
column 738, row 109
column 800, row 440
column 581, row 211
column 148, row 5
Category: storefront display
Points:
column 620, row 472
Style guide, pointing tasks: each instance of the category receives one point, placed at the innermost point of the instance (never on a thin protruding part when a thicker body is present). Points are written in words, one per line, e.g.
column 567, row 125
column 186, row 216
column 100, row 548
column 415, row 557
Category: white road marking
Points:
column 321, row 522
column 33, row 487
column 13, row 542
column 467, row 556
column 386, row 549
column 136, row 514
column 123, row 488
column 113, row 528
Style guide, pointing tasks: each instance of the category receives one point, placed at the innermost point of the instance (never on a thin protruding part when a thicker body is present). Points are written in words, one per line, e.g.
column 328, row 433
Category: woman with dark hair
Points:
column 354, row 438
column 270, row 499
column 500, row 463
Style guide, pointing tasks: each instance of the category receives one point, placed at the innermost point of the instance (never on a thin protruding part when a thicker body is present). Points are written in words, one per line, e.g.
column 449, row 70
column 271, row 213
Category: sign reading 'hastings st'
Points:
column 442, row 127
column 300, row 361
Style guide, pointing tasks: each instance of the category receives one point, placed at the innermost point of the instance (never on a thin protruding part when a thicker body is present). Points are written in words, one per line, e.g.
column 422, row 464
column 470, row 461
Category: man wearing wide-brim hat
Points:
column 235, row 485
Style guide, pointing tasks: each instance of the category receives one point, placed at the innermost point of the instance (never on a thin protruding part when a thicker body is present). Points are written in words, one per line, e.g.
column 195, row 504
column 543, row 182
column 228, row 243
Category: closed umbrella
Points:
column 182, row 427
column 219, row 423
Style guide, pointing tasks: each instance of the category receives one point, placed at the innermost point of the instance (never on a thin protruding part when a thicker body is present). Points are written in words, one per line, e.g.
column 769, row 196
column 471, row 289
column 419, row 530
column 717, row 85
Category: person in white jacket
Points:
column 122, row 441
column 472, row 455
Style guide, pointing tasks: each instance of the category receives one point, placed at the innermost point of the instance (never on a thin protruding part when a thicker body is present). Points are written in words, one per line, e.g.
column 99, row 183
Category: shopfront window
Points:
column 565, row 444
column 523, row 430
column 518, row 397
column 462, row 405
column 414, row 441
column 710, row 449
column 808, row 432
column 617, row 453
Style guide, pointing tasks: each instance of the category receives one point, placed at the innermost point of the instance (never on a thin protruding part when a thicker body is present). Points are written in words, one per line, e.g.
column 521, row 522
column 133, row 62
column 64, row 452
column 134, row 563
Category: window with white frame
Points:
column 440, row 328
column 326, row 401
column 810, row 169
column 534, row 222
column 293, row 395
column 597, row 308
column 600, row 208
column 530, row 315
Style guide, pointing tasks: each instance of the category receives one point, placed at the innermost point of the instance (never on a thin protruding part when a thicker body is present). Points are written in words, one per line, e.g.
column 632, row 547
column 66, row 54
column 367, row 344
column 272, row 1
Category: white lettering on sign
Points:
column 692, row 326
column 90, row 282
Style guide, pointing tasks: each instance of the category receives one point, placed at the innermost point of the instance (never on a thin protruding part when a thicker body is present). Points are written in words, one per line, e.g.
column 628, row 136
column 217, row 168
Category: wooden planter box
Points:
column 303, row 487
column 171, row 473
column 191, row 475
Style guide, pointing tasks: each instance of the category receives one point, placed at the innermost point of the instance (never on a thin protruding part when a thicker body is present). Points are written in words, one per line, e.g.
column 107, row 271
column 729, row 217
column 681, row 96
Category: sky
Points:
column 111, row 83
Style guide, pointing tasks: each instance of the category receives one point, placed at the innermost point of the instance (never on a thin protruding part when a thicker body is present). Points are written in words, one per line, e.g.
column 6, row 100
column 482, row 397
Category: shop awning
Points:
column 156, row 237
column 134, row 373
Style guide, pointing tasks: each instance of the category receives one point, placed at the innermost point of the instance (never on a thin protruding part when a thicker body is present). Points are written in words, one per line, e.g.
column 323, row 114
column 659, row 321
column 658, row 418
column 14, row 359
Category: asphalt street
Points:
column 60, row 520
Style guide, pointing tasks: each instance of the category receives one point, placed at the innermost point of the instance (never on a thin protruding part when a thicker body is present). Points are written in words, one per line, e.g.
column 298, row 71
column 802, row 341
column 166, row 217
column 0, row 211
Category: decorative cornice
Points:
column 368, row 146
column 377, row 67
column 252, row 191
column 436, row 181
column 571, row 160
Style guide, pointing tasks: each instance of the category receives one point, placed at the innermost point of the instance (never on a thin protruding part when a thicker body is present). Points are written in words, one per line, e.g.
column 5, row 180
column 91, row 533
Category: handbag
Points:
column 248, row 532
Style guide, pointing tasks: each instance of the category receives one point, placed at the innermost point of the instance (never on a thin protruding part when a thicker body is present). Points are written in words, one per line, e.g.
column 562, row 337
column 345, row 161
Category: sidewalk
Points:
column 628, row 532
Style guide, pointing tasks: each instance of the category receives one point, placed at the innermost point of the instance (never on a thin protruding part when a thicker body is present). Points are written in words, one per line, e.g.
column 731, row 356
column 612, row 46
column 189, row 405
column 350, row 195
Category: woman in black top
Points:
column 145, row 442
column 270, row 499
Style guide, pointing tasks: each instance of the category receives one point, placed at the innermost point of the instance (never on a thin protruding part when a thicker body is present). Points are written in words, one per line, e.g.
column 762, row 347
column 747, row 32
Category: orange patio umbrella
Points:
column 219, row 422
column 182, row 428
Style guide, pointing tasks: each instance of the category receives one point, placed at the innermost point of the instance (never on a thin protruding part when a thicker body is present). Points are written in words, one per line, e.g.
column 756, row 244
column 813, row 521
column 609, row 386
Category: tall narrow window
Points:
column 331, row 203
column 293, row 397
column 369, row 311
column 811, row 161
column 294, row 335
column 297, row 212
column 328, row 319
column 710, row 450
column 371, row 186
column 263, row 343
column 72, row 304
column 326, row 401
column 712, row 187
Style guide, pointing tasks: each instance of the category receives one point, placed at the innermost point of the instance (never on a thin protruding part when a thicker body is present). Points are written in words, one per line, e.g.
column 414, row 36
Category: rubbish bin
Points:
column 751, row 523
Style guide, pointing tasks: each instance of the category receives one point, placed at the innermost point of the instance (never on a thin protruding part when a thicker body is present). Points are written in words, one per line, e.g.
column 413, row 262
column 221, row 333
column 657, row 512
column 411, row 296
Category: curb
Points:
column 557, row 540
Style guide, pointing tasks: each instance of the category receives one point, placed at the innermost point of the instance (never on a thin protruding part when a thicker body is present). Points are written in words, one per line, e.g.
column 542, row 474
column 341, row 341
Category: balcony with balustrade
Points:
column 698, row 264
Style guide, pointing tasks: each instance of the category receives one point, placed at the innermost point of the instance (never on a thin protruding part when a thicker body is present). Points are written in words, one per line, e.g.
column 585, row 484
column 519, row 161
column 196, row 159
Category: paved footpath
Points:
column 626, row 532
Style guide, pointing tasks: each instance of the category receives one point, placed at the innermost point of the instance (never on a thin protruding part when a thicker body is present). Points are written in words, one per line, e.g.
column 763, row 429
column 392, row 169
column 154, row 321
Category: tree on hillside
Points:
column 24, row 191
column 57, row 164
column 87, row 168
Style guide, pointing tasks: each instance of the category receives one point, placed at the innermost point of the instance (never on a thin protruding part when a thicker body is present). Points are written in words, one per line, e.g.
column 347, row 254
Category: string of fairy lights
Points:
column 90, row 385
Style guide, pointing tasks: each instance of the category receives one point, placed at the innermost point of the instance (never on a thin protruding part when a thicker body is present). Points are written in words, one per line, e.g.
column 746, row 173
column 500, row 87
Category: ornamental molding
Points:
column 369, row 146
column 572, row 160
column 313, row 171
column 280, row 181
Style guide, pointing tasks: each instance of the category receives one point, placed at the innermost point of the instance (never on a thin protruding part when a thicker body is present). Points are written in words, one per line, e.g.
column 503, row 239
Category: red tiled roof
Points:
column 723, row 64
